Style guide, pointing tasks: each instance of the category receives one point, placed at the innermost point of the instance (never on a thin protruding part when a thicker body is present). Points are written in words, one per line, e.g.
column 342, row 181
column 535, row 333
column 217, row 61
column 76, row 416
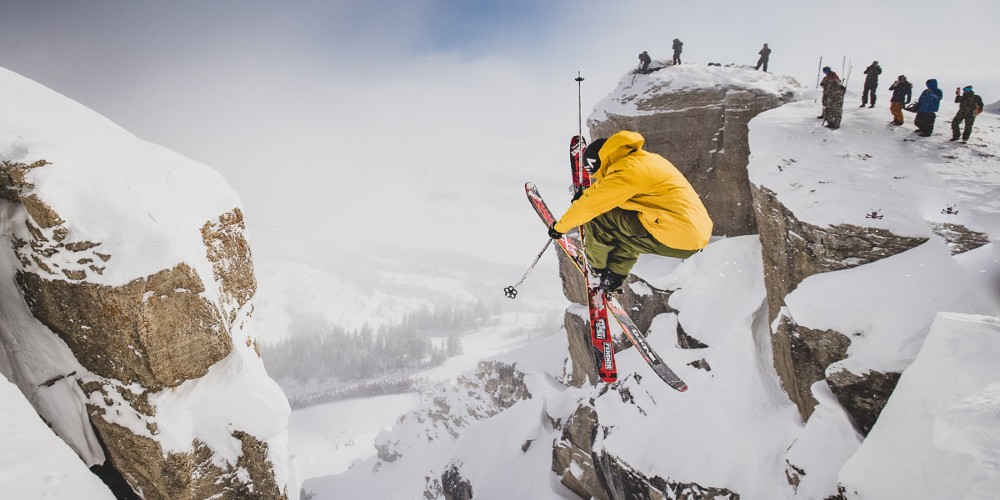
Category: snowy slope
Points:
column 34, row 463
column 939, row 435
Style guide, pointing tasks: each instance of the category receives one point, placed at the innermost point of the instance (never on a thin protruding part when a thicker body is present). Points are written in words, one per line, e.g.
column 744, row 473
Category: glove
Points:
column 553, row 233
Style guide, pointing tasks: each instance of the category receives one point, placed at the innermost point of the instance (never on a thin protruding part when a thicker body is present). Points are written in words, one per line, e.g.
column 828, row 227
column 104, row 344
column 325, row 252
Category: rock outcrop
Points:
column 126, row 319
column 701, row 128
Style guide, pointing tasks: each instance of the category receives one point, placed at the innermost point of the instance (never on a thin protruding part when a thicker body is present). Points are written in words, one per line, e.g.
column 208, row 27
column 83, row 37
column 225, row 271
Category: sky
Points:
column 395, row 123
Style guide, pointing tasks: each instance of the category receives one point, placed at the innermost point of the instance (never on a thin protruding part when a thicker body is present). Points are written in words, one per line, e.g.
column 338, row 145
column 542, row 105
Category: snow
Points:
column 635, row 88
column 34, row 463
column 840, row 176
column 937, row 436
column 145, row 206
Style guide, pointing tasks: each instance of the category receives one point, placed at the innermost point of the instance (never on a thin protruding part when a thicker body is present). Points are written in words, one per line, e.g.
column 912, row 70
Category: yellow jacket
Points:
column 643, row 182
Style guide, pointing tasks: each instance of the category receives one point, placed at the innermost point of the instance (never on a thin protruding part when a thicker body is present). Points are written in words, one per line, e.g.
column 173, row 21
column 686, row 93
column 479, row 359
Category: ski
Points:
column 574, row 251
column 600, row 335
column 581, row 177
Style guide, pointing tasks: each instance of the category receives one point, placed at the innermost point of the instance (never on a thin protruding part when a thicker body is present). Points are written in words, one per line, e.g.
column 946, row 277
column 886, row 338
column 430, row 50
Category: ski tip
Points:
column 682, row 388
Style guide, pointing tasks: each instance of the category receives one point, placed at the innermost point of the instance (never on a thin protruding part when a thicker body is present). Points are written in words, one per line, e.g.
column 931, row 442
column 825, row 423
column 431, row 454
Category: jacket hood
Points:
column 619, row 146
column 932, row 83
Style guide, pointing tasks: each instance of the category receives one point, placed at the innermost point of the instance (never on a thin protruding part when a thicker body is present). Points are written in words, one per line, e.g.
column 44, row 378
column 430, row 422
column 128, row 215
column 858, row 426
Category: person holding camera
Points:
column 871, row 83
column 969, row 107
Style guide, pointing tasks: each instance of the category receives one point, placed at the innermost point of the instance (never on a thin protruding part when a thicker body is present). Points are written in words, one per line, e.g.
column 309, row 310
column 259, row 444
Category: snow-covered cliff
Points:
column 792, row 339
column 126, row 282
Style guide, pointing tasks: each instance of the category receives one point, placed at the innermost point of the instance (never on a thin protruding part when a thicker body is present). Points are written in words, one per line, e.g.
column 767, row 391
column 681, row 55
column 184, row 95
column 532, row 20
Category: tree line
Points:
column 317, row 350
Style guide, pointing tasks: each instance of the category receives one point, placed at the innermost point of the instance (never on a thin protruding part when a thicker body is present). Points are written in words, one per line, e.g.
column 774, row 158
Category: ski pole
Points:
column 579, row 115
column 511, row 291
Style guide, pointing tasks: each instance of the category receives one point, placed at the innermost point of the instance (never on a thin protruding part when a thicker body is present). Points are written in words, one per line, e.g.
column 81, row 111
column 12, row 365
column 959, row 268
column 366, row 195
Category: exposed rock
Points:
column 863, row 396
column 188, row 476
column 581, row 427
column 576, row 471
column 686, row 341
column 229, row 253
column 801, row 356
column 574, row 286
column 703, row 132
column 571, row 455
column 793, row 250
column 959, row 238
column 643, row 307
column 622, row 482
column 581, row 351
column 453, row 485
column 156, row 331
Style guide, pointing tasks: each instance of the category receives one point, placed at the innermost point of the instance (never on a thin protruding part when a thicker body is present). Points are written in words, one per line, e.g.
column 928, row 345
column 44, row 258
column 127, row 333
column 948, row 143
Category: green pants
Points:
column 616, row 238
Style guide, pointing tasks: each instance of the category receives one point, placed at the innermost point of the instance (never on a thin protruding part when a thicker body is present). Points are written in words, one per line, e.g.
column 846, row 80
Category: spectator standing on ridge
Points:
column 644, row 57
column 969, row 107
column 829, row 80
column 834, row 109
column 871, row 83
column 765, row 54
column 678, row 47
column 638, row 203
column 927, row 106
column 902, row 92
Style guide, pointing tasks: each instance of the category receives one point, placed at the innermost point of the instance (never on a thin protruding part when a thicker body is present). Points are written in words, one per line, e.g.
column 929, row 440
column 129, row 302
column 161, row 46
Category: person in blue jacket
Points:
column 927, row 106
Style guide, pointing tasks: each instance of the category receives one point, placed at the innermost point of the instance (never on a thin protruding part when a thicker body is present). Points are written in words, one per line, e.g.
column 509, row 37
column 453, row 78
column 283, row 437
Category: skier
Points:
column 678, row 47
column 829, row 80
column 928, row 104
column 645, row 59
column 765, row 54
column 637, row 203
column 902, row 92
column 969, row 107
column 871, row 83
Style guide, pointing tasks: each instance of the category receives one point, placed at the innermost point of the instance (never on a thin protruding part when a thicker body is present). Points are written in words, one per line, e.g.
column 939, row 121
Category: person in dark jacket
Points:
column 829, row 80
column 902, row 92
column 645, row 59
column 765, row 54
column 678, row 47
column 969, row 107
column 927, row 107
column 871, row 83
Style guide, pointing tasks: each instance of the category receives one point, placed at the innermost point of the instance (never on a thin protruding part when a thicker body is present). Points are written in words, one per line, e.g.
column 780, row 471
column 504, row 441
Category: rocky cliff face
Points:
column 697, row 118
column 129, row 305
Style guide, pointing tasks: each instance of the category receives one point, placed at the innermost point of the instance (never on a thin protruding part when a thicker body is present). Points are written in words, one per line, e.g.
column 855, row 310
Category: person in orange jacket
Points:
column 638, row 202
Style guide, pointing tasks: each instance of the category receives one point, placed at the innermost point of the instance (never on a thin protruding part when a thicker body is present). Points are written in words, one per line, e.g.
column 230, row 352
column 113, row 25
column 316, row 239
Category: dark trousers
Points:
column 762, row 62
column 959, row 118
column 616, row 238
column 677, row 57
column 869, row 90
column 925, row 122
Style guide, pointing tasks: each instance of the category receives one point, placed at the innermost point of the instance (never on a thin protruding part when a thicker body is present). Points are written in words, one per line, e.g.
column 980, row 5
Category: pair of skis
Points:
column 598, row 302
